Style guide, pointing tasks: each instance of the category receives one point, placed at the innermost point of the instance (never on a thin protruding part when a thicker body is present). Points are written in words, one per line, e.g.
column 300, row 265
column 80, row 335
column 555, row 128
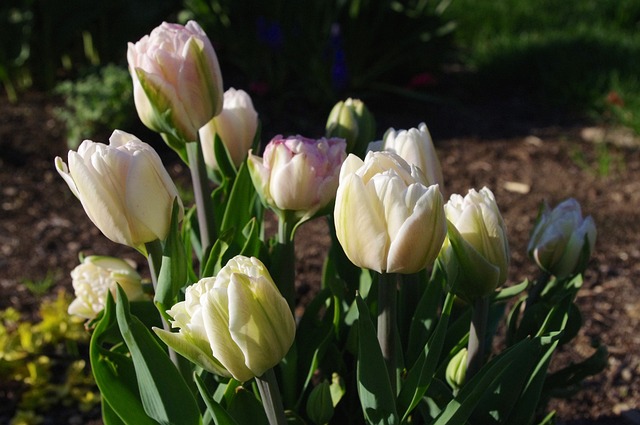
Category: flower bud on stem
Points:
column 387, row 323
column 270, row 394
column 477, row 333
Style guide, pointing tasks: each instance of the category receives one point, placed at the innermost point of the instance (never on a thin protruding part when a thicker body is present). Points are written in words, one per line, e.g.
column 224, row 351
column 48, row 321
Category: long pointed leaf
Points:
column 374, row 387
column 220, row 416
column 164, row 393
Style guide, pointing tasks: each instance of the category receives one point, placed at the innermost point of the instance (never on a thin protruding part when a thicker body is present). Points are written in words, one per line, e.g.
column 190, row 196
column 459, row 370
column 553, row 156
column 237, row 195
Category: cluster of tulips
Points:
column 412, row 290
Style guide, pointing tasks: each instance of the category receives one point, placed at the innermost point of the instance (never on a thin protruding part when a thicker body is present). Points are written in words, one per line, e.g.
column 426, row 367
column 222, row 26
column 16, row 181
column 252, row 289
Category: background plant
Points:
column 43, row 359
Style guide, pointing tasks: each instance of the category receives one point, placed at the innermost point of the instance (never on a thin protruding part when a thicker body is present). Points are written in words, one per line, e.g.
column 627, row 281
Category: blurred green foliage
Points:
column 96, row 104
column 44, row 40
column 41, row 362
column 581, row 55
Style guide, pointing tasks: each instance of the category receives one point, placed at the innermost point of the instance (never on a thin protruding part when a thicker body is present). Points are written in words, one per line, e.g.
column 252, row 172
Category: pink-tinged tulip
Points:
column 123, row 187
column 177, row 83
column 562, row 241
column 236, row 126
column 387, row 217
column 234, row 324
column 298, row 174
column 95, row 277
column 476, row 252
column 416, row 147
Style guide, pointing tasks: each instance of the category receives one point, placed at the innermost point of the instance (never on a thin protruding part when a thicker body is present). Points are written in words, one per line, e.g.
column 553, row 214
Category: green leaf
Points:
column 223, row 159
column 425, row 315
column 239, row 208
column 462, row 406
column 246, row 409
column 374, row 388
column 421, row 374
column 114, row 373
column 173, row 270
column 164, row 393
column 220, row 416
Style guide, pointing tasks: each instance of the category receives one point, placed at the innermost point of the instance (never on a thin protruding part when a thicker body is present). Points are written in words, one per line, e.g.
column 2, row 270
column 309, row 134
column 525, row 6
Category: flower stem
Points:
column 284, row 260
column 387, row 324
column 203, row 199
column 270, row 394
column 477, row 332
column 154, row 259
column 536, row 289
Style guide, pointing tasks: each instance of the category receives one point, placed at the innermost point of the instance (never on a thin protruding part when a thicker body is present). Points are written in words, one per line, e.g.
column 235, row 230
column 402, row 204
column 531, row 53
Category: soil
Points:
column 525, row 156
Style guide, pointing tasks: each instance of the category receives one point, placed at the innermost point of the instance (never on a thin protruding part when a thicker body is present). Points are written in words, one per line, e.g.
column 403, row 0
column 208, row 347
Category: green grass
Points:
column 572, row 53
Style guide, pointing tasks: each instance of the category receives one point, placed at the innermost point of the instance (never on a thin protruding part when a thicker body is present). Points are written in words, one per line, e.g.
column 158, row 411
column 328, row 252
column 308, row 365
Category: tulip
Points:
column 476, row 254
column 416, row 147
column 352, row 121
column 387, row 217
column 177, row 83
column 235, row 324
column 298, row 174
column 123, row 187
column 562, row 240
column 95, row 277
column 236, row 126
column 456, row 371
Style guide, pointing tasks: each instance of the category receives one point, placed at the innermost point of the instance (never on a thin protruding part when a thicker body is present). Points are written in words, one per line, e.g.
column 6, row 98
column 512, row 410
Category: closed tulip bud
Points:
column 352, row 121
column 95, row 277
column 298, row 174
column 177, row 83
column 416, row 147
column 562, row 241
column 123, row 187
column 236, row 126
column 387, row 217
column 235, row 324
column 476, row 253
column 456, row 372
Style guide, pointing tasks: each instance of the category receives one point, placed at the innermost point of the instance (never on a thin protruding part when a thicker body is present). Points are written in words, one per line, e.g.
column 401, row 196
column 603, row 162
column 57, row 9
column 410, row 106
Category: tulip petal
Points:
column 215, row 305
column 360, row 224
column 193, row 350
column 419, row 239
column 260, row 322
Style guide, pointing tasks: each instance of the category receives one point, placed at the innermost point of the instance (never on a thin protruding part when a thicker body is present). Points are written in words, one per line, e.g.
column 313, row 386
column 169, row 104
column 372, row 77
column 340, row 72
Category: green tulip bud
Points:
column 476, row 253
column 319, row 405
column 457, row 370
column 562, row 241
column 352, row 121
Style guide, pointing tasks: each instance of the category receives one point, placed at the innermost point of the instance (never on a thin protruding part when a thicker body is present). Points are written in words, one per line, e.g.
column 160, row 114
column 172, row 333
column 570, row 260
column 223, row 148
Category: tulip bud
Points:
column 386, row 216
column 177, row 83
column 352, row 121
column 234, row 324
column 97, row 275
column 319, row 405
column 123, row 187
column 562, row 241
column 416, row 147
column 298, row 174
column 236, row 126
column 476, row 253
column 457, row 370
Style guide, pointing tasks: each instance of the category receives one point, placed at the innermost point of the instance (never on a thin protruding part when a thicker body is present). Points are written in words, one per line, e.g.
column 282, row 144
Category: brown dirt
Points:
column 43, row 227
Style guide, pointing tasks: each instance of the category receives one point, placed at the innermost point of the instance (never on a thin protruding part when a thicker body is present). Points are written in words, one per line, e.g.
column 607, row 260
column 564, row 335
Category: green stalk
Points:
column 387, row 324
column 204, row 208
column 284, row 259
column 270, row 394
column 477, row 332
column 154, row 259
column 536, row 289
